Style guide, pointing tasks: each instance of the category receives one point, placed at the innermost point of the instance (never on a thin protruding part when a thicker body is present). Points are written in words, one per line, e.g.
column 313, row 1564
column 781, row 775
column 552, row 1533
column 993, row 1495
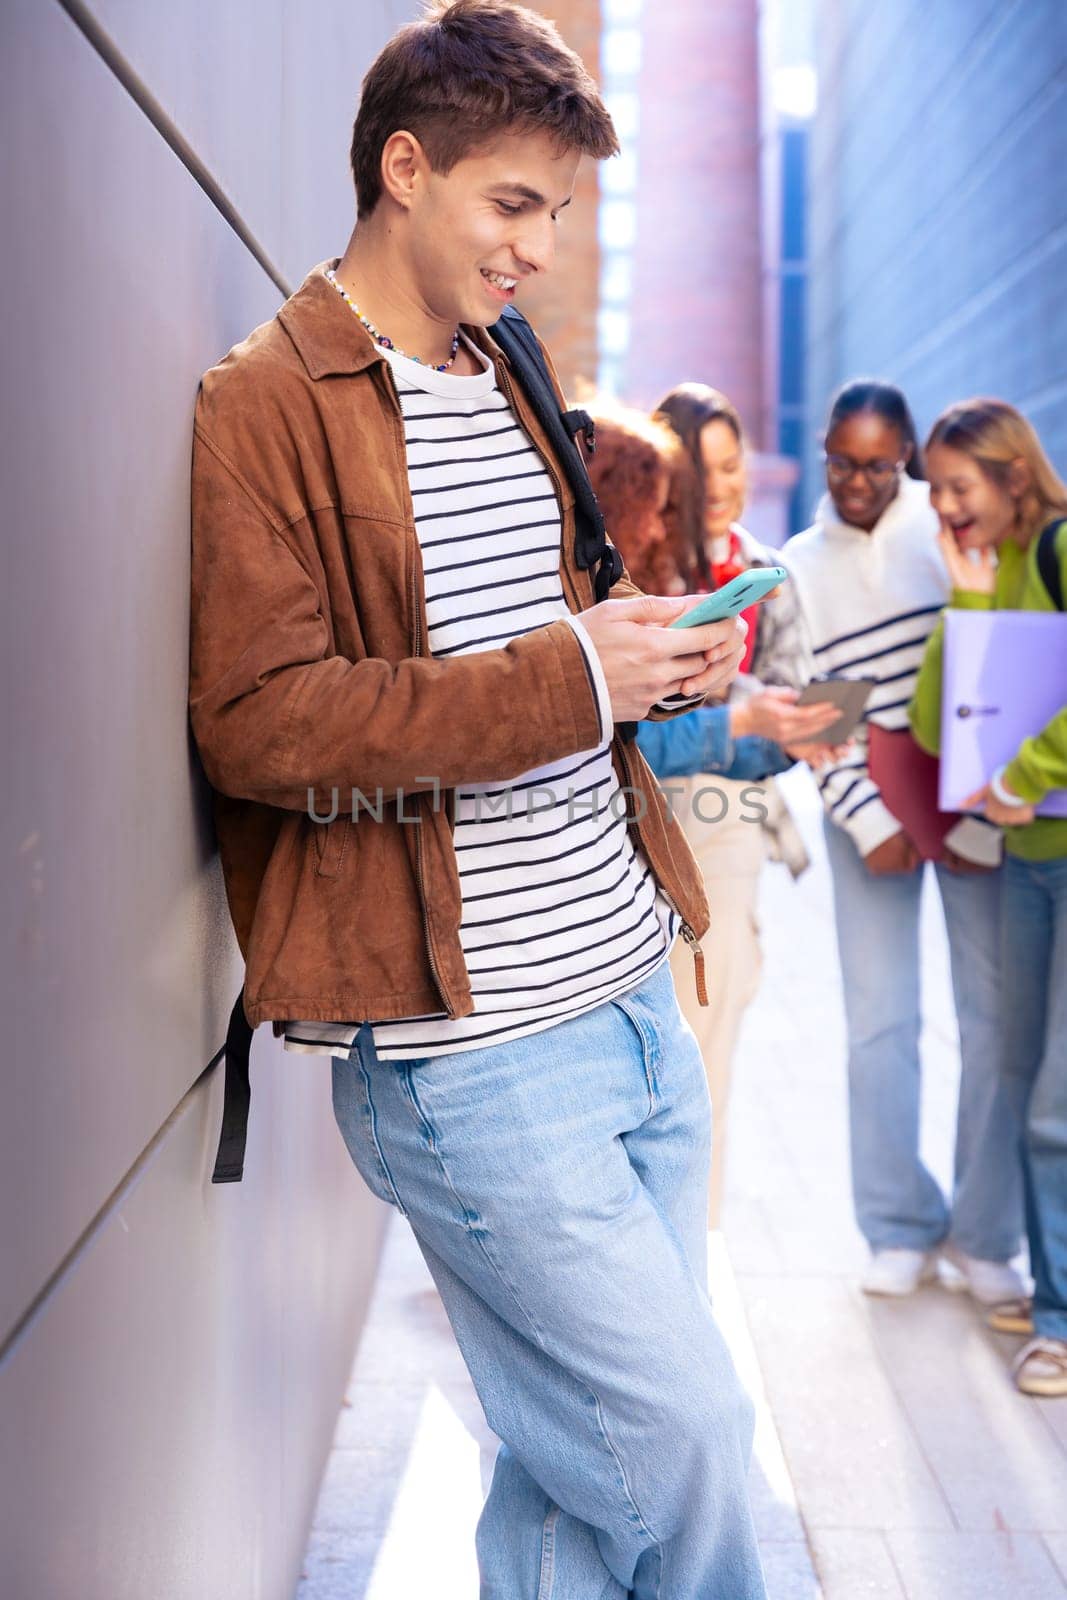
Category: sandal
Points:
column 1041, row 1368
column 1012, row 1316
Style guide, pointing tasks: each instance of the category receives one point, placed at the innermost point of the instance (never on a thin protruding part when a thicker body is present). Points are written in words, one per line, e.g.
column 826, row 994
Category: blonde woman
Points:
column 1003, row 514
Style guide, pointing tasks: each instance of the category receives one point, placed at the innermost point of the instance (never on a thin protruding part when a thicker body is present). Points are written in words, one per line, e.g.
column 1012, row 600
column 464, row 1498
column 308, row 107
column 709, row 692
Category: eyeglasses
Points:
column 878, row 473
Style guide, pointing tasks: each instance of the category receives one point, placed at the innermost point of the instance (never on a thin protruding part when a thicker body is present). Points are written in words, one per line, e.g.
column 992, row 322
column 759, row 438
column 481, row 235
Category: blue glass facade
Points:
column 792, row 334
column 938, row 205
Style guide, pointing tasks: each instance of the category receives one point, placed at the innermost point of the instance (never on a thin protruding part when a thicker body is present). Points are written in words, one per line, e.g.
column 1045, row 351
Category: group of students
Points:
column 392, row 592
column 901, row 534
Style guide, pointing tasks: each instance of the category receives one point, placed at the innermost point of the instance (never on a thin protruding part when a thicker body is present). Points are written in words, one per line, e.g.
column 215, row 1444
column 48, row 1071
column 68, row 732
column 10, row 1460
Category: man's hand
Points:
column 644, row 660
column 895, row 854
column 774, row 714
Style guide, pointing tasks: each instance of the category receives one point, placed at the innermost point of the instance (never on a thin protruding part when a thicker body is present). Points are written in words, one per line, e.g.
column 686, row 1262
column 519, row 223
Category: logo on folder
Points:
column 978, row 711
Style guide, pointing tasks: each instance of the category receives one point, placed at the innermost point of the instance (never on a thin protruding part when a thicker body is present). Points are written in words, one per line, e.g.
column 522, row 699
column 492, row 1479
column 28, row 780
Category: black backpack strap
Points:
column 592, row 547
column 1048, row 564
column 580, row 422
column 230, row 1158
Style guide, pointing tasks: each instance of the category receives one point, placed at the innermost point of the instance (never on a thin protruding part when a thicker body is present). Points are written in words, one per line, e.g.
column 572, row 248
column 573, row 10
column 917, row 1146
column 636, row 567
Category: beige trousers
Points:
column 731, row 854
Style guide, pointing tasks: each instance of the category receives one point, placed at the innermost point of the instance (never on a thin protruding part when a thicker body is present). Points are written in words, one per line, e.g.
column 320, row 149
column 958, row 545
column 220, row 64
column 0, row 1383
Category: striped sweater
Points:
column 870, row 602
column 560, row 910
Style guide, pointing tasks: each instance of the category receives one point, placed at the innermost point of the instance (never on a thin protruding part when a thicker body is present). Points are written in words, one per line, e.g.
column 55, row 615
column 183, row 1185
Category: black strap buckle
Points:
column 580, row 422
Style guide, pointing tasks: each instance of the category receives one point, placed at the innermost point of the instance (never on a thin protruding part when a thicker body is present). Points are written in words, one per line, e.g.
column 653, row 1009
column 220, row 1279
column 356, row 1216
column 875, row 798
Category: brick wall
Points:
column 563, row 306
column 697, row 311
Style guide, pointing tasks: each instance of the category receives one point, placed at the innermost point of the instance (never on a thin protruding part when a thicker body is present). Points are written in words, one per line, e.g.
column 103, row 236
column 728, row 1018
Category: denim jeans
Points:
column 1034, row 965
column 898, row 1202
column 557, row 1188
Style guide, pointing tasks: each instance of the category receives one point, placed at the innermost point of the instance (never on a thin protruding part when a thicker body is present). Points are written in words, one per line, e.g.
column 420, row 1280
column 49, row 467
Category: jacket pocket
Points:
column 331, row 844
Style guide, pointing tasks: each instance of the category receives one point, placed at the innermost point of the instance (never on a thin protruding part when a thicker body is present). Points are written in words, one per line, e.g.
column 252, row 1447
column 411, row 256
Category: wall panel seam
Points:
column 982, row 298
column 101, row 1216
column 168, row 130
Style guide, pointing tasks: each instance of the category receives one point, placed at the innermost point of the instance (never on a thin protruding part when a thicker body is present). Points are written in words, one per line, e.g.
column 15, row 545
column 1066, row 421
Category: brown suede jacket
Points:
column 309, row 678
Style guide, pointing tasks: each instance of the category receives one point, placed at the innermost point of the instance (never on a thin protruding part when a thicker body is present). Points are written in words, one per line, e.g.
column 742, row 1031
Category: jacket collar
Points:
column 330, row 340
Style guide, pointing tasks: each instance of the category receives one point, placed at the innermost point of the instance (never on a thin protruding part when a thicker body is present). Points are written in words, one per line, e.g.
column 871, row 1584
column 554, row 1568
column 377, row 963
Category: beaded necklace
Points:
column 382, row 338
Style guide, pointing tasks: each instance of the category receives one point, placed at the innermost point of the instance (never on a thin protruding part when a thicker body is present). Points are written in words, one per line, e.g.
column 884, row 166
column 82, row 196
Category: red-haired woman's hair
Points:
column 994, row 434
column 636, row 459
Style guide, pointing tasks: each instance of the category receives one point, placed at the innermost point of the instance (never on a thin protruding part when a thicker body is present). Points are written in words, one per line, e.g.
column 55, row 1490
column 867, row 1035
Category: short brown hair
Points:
column 465, row 73
column 634, row 455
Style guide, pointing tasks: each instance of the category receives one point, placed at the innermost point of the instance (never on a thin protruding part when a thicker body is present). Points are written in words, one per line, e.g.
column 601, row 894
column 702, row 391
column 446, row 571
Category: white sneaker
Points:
column 898, row 1271
column 988, row 1282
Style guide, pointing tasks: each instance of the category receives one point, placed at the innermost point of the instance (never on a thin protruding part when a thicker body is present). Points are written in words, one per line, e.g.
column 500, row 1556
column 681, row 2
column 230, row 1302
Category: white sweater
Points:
column 870, row 601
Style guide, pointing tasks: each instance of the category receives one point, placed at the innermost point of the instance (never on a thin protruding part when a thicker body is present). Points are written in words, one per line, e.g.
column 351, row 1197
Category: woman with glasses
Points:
column 872, row 584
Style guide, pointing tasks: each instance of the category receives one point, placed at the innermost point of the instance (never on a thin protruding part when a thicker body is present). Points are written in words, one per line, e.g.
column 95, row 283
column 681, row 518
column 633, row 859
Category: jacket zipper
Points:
column 687, row 932
column 698, row 961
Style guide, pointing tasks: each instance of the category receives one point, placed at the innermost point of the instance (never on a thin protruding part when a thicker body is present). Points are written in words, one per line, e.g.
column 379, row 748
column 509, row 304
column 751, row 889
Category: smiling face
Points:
column 864, row 440
column 971, row 504
column 480, row 231
column 723, row 460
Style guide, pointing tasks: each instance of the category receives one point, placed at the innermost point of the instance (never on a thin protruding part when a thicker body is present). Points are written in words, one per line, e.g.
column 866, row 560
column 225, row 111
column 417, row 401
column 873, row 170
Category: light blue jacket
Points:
column 701, row 742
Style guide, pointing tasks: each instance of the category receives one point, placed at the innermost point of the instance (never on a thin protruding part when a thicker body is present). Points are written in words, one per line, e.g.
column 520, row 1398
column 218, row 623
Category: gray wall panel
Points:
column 173, row 1352
column 216, row 69
column 116, row 944
column 265, row 91
column 326, row 49
column 166, row 1414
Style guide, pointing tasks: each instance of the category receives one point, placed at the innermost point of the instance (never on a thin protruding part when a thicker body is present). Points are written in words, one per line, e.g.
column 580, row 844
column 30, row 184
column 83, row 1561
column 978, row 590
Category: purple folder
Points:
column 1005, row 678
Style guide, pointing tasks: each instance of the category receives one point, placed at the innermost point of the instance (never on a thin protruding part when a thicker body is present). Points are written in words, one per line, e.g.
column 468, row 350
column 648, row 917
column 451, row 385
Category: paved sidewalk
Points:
column 893, row 1457
column 920, row 1473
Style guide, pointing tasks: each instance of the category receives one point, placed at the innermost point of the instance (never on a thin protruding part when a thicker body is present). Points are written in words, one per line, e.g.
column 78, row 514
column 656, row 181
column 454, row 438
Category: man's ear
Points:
column 403, row 163
column 1020, row 478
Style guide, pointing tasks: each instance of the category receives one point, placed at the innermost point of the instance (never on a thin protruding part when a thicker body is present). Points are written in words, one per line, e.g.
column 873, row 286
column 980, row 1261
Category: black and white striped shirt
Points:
column 870, row 602
column 560, row 911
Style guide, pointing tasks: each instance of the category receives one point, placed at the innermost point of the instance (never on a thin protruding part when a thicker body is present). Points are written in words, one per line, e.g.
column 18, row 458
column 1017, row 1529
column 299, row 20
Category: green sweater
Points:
column 1041, row 762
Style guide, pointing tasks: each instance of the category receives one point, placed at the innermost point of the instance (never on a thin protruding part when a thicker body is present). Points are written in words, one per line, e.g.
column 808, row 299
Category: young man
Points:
column 386, row 598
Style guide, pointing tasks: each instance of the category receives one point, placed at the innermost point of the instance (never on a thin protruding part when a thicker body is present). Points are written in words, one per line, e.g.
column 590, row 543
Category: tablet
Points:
column 850, row 695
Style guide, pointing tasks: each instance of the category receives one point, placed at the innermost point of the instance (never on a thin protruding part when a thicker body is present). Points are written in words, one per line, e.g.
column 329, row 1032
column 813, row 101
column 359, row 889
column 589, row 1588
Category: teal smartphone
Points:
column 733, row 597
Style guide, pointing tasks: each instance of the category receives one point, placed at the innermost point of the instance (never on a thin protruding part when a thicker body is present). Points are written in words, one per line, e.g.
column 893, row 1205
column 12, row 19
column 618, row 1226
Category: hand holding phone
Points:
column 734, row 597
column 642, row 666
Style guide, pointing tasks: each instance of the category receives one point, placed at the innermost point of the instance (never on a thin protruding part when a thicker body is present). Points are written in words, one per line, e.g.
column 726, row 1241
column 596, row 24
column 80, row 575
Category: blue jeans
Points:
column 898, row 1202
column 1034, row 964
column 557, row 1187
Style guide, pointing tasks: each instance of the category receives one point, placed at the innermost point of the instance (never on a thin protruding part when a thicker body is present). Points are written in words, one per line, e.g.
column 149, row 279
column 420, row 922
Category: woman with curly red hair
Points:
column 648, row 493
